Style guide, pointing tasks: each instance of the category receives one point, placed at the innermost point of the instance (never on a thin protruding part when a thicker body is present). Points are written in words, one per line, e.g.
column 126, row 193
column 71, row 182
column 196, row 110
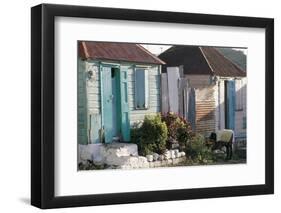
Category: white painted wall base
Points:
column 125, row 156
column 101, row 153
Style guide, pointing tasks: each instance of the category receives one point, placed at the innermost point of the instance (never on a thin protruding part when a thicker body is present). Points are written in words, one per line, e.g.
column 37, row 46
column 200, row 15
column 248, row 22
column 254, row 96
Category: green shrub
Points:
column 198, row 150
column 179, row 130
column 136, row 132
column 151, row 136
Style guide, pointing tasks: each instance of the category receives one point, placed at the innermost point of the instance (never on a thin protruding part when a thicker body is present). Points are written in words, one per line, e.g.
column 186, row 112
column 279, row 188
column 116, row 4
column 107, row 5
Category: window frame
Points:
column 147, row 95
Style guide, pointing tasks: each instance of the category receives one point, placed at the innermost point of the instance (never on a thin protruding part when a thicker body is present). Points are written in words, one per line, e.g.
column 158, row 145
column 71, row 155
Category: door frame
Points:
column 118, row 110
column 229, row 116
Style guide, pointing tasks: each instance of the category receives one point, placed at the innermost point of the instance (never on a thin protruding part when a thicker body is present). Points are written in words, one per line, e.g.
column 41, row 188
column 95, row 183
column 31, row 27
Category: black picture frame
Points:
column 43, row 105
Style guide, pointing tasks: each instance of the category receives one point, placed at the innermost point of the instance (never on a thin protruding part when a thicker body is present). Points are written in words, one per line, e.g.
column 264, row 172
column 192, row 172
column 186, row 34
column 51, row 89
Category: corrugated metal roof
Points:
column 200, row 61
column 117, row 52
column 221, row 65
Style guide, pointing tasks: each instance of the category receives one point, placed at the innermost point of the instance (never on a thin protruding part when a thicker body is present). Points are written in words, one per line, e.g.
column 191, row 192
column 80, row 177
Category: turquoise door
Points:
column 107, row 98
column 115, row 106
column 124, row 105
column 230, row 104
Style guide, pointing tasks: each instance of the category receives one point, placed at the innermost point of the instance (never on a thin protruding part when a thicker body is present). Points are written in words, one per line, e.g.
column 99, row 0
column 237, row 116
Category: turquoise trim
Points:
column 101, row 99
column 82, row 112
column 142, row 94
column 230, row 104
column 125, row 111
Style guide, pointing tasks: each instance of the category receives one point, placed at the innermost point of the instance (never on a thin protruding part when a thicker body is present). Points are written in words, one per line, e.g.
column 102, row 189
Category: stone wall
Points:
column 125, row 156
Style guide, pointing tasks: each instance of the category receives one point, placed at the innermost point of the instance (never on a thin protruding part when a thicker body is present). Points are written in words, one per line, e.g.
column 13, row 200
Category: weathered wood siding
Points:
column 82, row 104
column 93, row 102
column 154, row 93
column 89, row 98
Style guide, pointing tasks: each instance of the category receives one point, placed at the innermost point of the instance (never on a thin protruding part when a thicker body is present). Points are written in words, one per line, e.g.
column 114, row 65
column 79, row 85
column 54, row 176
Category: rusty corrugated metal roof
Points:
column 117, row 52
column 200, row 61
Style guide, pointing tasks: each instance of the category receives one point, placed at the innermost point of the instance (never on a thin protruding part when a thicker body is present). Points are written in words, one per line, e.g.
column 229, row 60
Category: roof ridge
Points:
column 152, row 55
column 202, row 52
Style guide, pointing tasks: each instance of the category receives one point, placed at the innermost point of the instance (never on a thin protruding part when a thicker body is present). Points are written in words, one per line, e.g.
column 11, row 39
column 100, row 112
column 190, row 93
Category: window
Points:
column 141, row 88
column 239, row 95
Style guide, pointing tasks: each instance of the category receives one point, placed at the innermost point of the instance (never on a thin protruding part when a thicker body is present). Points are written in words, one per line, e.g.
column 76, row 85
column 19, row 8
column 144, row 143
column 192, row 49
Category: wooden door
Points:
column 107, row 98
column 230, row 104
column 124, row 105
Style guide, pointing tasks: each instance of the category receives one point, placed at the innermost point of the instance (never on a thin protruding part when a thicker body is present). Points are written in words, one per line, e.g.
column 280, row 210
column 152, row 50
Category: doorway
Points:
column 229, row 86
column 110, row 97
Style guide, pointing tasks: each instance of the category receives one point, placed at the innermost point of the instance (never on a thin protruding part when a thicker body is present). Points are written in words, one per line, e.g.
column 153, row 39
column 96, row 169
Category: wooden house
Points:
column 118, row 84
column 205, row 87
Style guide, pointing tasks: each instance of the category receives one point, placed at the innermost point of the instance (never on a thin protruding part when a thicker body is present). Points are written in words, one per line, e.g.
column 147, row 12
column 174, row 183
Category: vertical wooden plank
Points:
column 182, row 91
column 125, row 114
column 191, row 108
column 173, row 78
column 222, row 104
column 230, row 104
column 114, row 103
column 82, row 104
column 186, row 101
column 107, row 103
column 94, row 128
column 164, row 93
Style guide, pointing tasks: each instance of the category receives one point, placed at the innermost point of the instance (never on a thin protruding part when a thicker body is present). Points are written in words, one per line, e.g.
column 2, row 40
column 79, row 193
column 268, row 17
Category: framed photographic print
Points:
column 139, row 106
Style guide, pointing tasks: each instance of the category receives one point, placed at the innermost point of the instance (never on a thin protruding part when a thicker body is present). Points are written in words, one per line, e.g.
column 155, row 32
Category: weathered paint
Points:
column 94, row 127
column 107, row 110
column 241, row 113
column 125, row 111
column 91, row 118
column 82, row 104
column 93, row 102
column 230, row 104
column 173, row 89
column 141, row 88
column 154, row 93
column 115, row 97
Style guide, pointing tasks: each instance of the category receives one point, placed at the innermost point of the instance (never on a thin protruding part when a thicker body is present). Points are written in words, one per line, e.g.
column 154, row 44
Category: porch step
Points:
column 118, row 154
column 107, row 153
column 120, row 149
